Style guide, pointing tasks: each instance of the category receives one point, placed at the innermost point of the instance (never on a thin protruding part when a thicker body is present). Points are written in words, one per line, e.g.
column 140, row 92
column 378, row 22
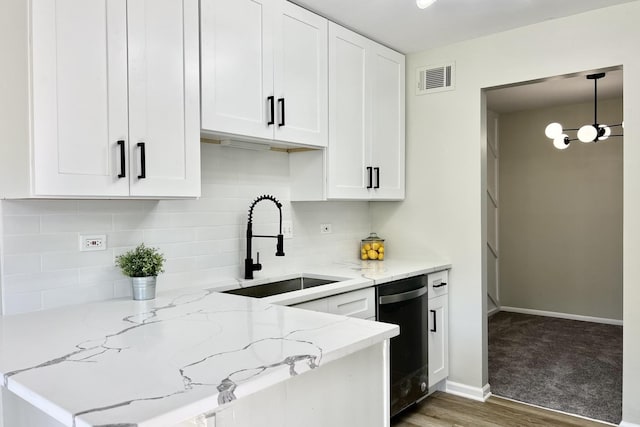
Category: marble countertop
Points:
column 350, row 275
column 184, row 353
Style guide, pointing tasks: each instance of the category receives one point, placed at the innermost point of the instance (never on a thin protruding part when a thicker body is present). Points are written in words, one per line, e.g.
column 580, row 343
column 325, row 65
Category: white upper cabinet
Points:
column 237, row 66
column 365, row 158
column 264, row 71
column 107, row 75
column 348, row 156
column 164, row 98
column 387, row 124
column 79, row 104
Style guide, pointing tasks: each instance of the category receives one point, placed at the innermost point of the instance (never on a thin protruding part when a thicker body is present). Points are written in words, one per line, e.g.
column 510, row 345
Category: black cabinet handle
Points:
column 123, row 169
column 271, row 121
column 370, row 172
column 441, row 284
column 434, row 321
column 281, row 103
column 143, row 161
column 377, row 177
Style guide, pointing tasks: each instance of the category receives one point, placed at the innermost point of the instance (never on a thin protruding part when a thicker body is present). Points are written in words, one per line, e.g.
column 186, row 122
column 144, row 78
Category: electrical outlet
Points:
column 93, row 243
column 287, row 229
column 325, row 228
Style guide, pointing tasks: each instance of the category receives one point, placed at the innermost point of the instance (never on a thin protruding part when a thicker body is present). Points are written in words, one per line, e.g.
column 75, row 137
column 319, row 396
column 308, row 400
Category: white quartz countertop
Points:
column 168, row 360
column 182, row 355
column 350, row 275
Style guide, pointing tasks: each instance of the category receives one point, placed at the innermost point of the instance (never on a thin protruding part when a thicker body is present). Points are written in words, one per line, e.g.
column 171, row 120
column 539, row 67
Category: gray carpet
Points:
column 561, row 364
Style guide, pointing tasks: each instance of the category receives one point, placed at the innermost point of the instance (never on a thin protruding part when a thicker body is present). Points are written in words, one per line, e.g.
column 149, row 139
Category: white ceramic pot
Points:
column 144, row 288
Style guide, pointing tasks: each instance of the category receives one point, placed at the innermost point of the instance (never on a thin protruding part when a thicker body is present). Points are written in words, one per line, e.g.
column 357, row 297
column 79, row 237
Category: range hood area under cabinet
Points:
column 365, row 159
column 264, row 72
column 112, row 105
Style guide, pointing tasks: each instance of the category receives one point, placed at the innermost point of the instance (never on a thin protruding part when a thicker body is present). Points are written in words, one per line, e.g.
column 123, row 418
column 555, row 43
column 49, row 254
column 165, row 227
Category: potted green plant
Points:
column 142, row 264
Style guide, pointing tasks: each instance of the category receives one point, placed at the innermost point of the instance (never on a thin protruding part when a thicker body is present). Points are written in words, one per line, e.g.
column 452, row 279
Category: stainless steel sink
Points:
column 280, row 287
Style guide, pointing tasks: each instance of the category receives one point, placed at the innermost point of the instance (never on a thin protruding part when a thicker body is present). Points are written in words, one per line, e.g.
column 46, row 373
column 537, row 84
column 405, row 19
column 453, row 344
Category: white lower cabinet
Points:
column 360, row 303
column 438, row 327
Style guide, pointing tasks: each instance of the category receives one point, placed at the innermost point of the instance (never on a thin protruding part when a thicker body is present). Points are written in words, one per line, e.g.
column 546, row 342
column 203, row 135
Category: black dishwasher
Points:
column 404, row 303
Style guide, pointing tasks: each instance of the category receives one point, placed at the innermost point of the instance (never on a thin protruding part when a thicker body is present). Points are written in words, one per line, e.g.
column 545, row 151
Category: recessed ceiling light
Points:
column 423, row 4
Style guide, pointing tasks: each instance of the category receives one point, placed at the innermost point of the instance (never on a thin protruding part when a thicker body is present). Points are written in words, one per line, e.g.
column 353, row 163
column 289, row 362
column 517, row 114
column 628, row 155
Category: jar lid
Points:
column 373, row 237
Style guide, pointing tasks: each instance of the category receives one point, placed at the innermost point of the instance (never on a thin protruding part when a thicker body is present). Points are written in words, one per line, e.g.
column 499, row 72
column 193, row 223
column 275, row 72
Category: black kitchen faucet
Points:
column 249, row 266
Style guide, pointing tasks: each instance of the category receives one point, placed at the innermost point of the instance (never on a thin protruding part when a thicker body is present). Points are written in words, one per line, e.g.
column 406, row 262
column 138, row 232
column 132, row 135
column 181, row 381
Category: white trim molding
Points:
column 627, row 424
column 480, row 394
column 562, row 316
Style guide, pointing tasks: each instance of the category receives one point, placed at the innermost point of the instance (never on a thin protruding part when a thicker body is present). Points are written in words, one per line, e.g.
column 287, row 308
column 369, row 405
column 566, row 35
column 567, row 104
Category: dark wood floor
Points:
column 446, row 410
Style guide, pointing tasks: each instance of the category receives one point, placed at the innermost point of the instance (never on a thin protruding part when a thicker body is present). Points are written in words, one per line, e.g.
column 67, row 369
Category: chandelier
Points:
column 588, row 133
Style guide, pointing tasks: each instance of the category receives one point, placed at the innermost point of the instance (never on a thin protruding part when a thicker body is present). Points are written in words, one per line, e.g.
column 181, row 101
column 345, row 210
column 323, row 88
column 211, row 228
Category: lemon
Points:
column 381, row 250
column 364, row 256
column 375, row 246
column 372, row 254
column 367, row 247
column 381, row 256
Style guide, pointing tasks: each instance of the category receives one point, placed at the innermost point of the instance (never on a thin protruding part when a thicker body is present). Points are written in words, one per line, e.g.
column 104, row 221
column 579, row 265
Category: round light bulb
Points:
column 560, row 142
column 553, row 130
column 423, row 4
column 587, row 133
column 606, row 134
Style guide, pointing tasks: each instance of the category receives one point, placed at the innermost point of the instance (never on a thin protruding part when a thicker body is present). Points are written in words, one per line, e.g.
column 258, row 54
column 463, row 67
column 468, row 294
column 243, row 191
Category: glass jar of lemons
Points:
column 372, row 248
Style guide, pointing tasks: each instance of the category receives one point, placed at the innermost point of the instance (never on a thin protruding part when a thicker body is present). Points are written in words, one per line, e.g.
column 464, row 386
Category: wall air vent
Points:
column 435, row 78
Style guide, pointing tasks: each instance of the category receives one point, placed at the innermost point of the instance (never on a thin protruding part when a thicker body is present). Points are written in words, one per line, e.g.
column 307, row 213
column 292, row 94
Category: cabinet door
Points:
column 237, row 66
column 388, row 135
column 349, row 115
column 301, row 85
column 164, row 97
column 438, row 339
column 79, row 66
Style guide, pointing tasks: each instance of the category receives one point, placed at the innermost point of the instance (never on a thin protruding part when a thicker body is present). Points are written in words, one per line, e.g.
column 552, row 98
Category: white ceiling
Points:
column 561, row 90
column 400, row 25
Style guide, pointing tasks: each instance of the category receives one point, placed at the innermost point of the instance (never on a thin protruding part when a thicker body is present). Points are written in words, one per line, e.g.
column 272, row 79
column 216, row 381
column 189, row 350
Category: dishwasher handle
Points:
column 404, row 296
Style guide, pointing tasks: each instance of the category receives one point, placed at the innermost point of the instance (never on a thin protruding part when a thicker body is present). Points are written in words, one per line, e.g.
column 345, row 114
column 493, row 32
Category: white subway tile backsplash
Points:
column 76, row 259
column 221, row 232
column 18, row 264
column 32, row 282
column 91, row 223
column 25, row 224
column 40, row 243
column 142, row 220
column 39, row 207
column 116, row 206
column 23, row 302
column 169, row 235
column 117, row 239
column 203, row 239
column 53, row 298
column 98, row 274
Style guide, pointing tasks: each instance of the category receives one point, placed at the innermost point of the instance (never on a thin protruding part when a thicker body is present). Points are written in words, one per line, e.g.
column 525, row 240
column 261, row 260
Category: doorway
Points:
column 554, row 244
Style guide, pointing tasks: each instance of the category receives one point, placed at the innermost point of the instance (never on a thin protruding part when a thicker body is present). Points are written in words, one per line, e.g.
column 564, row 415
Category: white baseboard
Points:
column 493, row 311
column 626, row 424
column 480, row 394
column 562, row 315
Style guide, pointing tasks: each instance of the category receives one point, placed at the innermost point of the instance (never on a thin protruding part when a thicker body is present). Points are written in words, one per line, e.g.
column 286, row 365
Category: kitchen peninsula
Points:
column 192, row 357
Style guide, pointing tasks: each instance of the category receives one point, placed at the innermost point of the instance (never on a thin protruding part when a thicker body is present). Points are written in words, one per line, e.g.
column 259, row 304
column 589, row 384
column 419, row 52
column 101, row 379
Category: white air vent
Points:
column 435, row 78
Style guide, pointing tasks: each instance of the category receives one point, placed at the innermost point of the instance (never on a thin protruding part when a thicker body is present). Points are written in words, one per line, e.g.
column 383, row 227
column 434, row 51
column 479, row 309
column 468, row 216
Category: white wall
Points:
column 561, row 214
column 203, row 240
column 445, row 155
